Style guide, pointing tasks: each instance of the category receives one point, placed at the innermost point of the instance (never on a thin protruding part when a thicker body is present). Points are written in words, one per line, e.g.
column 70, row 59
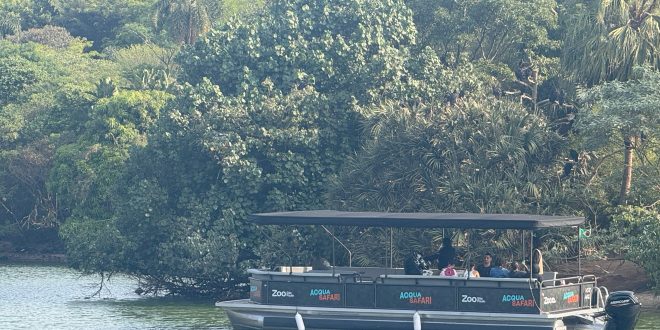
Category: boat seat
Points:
column 551, row 277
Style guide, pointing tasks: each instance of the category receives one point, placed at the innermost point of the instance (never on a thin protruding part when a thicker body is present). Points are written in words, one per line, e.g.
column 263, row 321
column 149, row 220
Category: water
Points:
column 55, row 297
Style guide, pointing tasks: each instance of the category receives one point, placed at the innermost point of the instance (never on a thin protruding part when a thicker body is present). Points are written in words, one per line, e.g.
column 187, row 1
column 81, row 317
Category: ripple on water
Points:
column 56, row 297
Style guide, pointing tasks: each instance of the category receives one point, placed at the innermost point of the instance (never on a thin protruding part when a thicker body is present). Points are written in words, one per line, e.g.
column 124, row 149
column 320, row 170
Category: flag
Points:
column 585, row 233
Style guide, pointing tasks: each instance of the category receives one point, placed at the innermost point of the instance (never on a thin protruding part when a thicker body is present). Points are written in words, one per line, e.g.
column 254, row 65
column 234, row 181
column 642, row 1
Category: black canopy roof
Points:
column 415, row 220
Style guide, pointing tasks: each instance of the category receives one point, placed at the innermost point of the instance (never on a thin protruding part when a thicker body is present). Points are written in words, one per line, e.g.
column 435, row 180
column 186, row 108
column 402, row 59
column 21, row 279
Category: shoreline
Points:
column 51, row 258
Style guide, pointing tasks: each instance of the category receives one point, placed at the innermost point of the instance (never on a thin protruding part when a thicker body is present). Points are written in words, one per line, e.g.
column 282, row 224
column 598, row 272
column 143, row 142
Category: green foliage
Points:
column 83, row 236
column 15, row 75
column 25, row 14
column 493, row 30
column 642, row 226
column 617, row 112
column 146, row 66
column 50, row 112
column 605, row 40
column 341, row 47
column 481, row 155
column 484, row 156
column 270, row 141
column 100, row 20
column 621, row 109
column 185, row 20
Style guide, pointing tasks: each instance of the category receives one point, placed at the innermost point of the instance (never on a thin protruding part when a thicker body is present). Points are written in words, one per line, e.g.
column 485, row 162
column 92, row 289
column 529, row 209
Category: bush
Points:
column 641, row 229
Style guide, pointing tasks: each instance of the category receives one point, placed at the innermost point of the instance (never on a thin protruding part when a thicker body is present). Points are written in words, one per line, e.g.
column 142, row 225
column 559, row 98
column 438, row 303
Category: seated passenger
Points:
column 484, row 268
column 320, row 263
column 473, row 273
column 518, row 271
column 414, row 264
column 500, row 271
column 448, row 271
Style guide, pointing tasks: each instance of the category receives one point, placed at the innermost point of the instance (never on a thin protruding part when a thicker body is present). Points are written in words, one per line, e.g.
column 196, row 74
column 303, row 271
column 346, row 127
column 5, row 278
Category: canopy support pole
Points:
column 333, row 252
column 391, row 247
column 579, row 253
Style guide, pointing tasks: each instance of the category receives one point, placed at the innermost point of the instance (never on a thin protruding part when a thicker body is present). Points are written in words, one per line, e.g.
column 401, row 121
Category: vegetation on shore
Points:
column 143, row 132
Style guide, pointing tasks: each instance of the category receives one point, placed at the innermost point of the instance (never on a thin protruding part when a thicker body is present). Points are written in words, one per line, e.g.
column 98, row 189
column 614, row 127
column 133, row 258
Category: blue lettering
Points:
column 318, row 292
column 512, row 297
column 408, row 295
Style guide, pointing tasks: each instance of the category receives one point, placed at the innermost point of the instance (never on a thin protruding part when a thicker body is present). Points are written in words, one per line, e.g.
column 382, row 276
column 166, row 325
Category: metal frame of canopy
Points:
column 417, row 220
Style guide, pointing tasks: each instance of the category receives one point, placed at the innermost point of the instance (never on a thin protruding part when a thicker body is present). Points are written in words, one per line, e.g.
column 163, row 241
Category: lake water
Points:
column 55, row 297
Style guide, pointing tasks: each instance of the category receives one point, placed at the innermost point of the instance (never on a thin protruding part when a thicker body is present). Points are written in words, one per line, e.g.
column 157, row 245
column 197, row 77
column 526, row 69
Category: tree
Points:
column 503, row 31
column 9, row 24
column 266, row 114
column 184, row 20
column 16, row 74
column 52, row 36
column 644, row 225
column 604, row 41
column 46, row 99
column 623, row 112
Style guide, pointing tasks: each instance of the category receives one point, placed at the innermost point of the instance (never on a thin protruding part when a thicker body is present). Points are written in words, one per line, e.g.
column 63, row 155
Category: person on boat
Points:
column 537, row 262
column 500, row 271
column 415, row 264
column 446, row 253
column 320, row 263
column 473, row 272
column 485, row 267
column 518, row 270
column 449, row 270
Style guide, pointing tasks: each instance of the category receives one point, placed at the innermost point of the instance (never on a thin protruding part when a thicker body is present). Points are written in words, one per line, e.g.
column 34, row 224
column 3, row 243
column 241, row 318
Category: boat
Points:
column 386, row 298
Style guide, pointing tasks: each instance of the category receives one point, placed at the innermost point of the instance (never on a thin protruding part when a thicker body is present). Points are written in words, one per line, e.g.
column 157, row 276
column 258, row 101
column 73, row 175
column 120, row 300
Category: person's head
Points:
column 488, row 259
column 515, row 265
column 473, row 267
column 446, row 241
column 504, row 263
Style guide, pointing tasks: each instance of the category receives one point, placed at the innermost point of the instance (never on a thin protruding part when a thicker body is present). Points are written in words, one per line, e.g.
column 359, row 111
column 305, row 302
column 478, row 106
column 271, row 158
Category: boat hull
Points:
column 246, row 315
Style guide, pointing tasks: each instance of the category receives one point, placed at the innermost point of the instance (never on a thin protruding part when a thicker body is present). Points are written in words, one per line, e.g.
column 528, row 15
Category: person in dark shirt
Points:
column 486, row 266
column 446, row 254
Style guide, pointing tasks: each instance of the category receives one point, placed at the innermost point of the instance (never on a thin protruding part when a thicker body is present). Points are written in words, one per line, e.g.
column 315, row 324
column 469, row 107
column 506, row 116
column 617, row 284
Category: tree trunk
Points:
column 629, row 144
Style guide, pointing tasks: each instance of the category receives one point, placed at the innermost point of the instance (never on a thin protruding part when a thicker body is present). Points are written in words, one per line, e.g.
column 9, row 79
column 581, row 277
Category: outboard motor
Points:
column 623, row 309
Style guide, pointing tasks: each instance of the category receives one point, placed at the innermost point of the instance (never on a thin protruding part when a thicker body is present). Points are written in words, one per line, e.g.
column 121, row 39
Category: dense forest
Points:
column 137, row 135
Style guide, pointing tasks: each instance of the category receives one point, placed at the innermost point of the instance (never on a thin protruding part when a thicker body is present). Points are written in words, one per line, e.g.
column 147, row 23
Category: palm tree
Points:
column 605, row 40
column 184, row 20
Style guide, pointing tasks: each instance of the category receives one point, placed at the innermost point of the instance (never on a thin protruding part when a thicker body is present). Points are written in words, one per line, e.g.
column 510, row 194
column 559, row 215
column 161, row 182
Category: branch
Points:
column 599, row 164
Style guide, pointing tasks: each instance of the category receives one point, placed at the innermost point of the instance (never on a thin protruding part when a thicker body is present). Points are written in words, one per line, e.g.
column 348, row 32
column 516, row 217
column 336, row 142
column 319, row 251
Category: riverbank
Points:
column 39, row 253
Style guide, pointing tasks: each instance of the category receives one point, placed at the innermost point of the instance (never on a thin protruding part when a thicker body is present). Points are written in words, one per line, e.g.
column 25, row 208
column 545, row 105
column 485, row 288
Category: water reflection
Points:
column 55, row 297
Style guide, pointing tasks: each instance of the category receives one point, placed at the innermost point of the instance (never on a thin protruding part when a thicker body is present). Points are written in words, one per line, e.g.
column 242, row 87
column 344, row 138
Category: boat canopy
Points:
column 415, row 220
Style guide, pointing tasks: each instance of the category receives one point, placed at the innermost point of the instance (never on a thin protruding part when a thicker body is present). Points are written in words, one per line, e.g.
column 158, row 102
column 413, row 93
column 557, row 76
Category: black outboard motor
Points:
column 623, row 309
